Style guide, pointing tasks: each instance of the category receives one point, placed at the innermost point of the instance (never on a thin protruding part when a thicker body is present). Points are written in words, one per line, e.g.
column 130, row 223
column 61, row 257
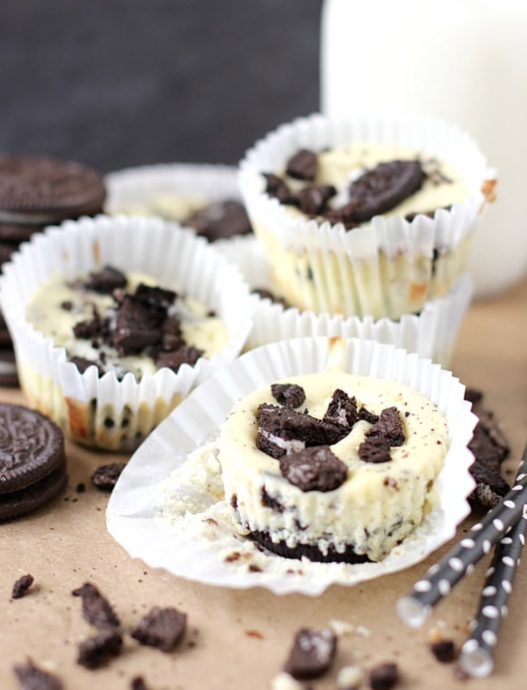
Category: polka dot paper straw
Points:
column 414, row 608
column 476, row 656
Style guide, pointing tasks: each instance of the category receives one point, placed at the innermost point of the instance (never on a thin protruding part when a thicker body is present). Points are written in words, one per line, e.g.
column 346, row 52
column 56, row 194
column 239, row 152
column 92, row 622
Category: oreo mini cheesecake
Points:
column 115, row 320
column 332, row 466
column 365, row 217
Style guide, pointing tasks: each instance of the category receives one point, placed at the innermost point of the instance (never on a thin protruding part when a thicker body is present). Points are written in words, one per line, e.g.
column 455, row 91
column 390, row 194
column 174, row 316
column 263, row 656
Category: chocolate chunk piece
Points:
column 312, row 200
column 383, row 188
column 288, row 394
column 444, row 650
column 303, row 165
column 384, row 676
column 375, row 449
column 389, row 426
column 173, row 360
column 161, row 628
column 220, row 220
column 312, row 653
column 155, row 296
column 31, row 677
column 105, row 476
column 490, row 448
column 342, row 410
column 95, row 607
column 277, row 188
column 106, row 281
column 138, row 683
column 367, row 416
column 282, row 430
column 96, row 650
column 21, row 586
column 314, row 469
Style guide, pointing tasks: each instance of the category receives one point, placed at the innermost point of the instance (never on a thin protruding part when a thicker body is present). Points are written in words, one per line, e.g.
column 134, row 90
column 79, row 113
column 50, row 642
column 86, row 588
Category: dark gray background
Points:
column 117, row 83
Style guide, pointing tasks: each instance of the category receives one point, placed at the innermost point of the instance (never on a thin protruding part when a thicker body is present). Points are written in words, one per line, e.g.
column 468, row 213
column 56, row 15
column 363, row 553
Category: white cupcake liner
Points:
column 430, row 334
column 194, row 185
column 202, row 543
column 385, row 268
column 177, row 259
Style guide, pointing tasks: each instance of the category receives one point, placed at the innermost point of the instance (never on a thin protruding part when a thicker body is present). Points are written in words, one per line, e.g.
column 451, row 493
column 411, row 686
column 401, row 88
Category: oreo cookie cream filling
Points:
column 332, row 466
column 124, row 323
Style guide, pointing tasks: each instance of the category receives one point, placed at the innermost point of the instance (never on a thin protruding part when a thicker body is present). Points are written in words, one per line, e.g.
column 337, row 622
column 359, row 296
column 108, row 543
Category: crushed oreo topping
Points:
column 312, row 653
column 220, row 220
column 490, row 448
column 375, row 449
column 289, row 394
column 389, row 427
column 264, row 293
column 138, row 683
column 282, row 430
column 106, row 281
column 303, row 165
column 444, row 650
column 97, row 650
column 368, row 416
column 175, row 359
column 342, row 410
column 83, row 364
column 105, row 476
column 384, row 676
column 314, row 469
column 161, row 628
column 31, row 677
column 312, row 200
column 95, row 607
column 21, row 586
column 277, row 188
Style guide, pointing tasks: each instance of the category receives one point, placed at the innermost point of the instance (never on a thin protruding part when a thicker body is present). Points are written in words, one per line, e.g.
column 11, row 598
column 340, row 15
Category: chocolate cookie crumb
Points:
column 161, row 628
column 384, row 676
column 105, row 476
column 288, row 394
column 21, row 586
column 314, row 469
column 95, row 607
column 138, row 683
column 31, row 677
column 444, row 650
column 80, row 488
column 303, row 165
column 96, row 650
column 311, row 654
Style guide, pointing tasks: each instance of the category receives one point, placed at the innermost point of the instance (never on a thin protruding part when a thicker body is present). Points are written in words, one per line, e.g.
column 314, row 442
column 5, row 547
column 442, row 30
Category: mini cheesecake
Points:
column 332, row 466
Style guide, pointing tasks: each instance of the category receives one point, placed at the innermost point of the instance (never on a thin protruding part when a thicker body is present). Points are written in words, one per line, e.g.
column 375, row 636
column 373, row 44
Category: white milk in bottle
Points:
column 464, row 61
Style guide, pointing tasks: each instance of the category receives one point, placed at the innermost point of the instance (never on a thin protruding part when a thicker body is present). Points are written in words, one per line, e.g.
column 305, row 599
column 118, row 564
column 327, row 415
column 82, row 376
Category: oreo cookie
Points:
column 36, row 190
column 220, row 220
column 32, row 460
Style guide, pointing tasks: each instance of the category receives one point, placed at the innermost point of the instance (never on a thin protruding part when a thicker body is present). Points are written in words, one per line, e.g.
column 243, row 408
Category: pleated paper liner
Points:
column 432, row 333
column 387, row 268
column 168, row 509
column 170, row 190
column 83, row 403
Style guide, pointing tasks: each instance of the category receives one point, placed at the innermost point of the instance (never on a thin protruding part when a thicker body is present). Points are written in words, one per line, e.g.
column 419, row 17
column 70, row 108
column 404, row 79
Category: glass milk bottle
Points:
column 464, row 61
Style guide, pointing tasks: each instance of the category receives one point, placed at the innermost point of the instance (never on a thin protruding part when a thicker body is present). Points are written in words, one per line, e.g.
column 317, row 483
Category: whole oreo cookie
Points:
column 32, row 460
column 37, row 189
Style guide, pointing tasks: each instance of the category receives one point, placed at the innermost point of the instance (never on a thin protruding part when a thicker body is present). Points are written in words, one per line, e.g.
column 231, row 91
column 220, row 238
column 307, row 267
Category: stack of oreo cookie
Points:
column 37, row 191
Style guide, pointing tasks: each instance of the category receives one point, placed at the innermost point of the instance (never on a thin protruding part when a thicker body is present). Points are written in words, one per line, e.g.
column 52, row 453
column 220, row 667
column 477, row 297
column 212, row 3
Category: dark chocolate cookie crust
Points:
column 308, row 551
column 31, row 447
column 42, row 186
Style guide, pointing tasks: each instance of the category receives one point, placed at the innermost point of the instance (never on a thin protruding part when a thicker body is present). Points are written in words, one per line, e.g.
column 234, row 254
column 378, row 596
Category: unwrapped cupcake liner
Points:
column 106, row 412
column 389, row 267
column 173, row 190
column 199, row 540
column 432, row 333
